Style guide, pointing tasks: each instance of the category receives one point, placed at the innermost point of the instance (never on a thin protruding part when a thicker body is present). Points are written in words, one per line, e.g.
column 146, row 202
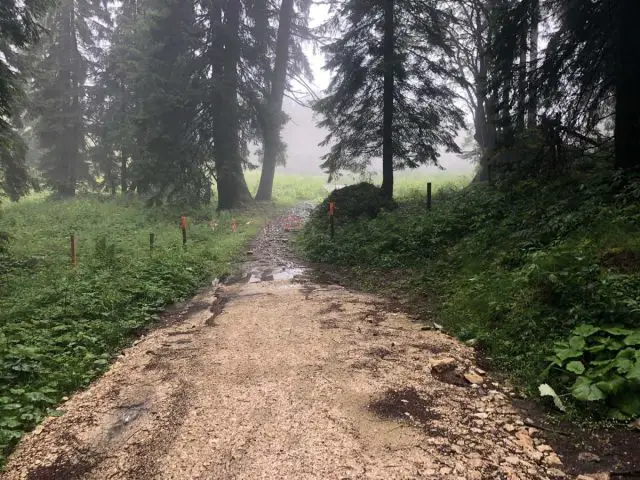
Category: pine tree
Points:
column 115, row 103
column 171, row 165
column 224, row 115
column 60, row 90
column 389, row 95
column 19, row 30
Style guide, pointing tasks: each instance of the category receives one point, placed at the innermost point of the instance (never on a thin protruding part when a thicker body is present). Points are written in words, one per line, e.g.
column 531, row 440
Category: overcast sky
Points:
column 303, row 136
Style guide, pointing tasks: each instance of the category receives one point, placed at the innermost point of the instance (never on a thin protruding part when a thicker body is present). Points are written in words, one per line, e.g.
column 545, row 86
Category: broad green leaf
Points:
column 577, row 343
column 568, row 353
column 596, row 348
column 547, row 391
column 634, row 373
column 611, row 385
column 611, row 343
column 586, row 391
column 576, row 367
column 585, row 330
column 616, row 414
column 618, row 331
column 633, row 339
column 623, row 365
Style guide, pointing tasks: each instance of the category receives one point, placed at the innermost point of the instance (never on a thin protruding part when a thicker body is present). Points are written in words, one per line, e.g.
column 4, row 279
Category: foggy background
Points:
column 302, row 136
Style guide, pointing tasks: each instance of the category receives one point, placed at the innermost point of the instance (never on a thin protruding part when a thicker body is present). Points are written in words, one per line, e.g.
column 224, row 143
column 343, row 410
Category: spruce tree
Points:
column 389, row 95
column 171, row 164
column 19, row 30
column 60, row 90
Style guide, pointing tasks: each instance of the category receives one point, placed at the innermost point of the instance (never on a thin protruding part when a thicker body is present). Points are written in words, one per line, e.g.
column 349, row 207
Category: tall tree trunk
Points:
column 74, row 136
column 124, row 174
column 274, row 107
column 231, row 184
column 387, row 114
column 627, row 128
column 522, row 84
column 534, row 33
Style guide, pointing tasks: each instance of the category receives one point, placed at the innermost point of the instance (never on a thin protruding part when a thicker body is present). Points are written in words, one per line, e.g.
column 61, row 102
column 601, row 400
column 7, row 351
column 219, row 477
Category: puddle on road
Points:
column 275, row 275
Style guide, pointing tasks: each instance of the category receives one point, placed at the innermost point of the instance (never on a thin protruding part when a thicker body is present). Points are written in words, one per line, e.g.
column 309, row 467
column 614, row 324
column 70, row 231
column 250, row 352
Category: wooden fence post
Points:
column 73, row 251
column 429, row 196
column 183, row 227
column 152, row 241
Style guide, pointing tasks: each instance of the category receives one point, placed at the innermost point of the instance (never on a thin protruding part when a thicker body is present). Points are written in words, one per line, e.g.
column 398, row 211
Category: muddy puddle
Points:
column 271, row 257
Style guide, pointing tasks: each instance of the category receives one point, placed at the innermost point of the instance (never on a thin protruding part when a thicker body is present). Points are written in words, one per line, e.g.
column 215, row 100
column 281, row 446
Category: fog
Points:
column 302, row 135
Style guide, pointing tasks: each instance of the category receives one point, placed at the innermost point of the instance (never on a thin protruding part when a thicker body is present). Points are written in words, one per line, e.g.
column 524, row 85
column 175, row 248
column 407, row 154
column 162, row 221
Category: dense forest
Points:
column 163, row 97
column 157, row 104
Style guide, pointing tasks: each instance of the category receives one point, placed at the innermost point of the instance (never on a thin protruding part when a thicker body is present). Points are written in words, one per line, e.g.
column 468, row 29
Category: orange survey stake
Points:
column 332, row 208
column 234, row 225
column 183, row 222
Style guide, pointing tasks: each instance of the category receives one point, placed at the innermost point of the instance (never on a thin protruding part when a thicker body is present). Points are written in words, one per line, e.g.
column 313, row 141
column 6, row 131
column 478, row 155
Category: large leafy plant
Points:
column 601, row 365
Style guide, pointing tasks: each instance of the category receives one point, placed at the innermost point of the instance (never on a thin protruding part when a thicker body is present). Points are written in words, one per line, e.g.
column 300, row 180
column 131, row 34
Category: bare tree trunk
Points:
column 274, row 108
column 522, row 84
column 387, row 114
column 232, row 187
column 534, row 33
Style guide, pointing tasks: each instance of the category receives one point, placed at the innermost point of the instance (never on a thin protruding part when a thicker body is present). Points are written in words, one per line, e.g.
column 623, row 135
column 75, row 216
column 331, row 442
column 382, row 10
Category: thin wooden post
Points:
column 152, row 241
column 73, row 251
column 183, row 227
column 429, row 196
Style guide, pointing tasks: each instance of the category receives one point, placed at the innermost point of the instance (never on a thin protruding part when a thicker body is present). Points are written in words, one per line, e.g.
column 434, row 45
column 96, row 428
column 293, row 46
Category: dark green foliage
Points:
column 59, row 102
column 424, row 115
column 588, row 74
column 353, row 202
column 517, row 267
column 19, row 29
column 601, row 365
column 172, row 162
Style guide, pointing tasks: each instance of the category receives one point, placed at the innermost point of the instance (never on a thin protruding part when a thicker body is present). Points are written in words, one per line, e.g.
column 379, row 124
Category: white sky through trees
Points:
column 301, row 134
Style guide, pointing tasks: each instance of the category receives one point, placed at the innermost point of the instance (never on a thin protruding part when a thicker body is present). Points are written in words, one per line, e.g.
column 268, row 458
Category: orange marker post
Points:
column 234, row 225
column 183, row 227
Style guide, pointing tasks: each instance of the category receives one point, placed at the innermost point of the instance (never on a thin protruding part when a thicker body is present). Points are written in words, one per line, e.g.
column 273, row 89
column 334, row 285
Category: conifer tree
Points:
column 389, row 96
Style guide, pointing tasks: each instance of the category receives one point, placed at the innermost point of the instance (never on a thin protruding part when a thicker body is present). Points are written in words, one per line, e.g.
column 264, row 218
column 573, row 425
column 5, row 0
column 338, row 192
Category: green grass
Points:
column 515, row 267
column 288, row 188
column 59, row 327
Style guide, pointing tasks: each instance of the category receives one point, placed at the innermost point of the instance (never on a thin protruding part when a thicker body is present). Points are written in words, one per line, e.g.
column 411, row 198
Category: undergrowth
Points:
column 59, row 327
column 516, row 267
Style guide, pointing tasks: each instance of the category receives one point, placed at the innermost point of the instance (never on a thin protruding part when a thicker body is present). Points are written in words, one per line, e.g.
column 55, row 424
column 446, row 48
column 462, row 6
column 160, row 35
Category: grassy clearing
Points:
column 59, row 328
column 289, row 189
column 518, row 267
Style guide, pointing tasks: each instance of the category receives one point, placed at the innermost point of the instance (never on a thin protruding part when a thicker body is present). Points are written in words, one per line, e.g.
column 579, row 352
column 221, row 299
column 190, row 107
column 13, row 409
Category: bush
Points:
column 354, row 202
column 517, row 267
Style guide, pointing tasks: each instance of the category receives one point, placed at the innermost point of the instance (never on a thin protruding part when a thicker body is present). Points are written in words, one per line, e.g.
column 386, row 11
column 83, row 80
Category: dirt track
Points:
column 287, row 378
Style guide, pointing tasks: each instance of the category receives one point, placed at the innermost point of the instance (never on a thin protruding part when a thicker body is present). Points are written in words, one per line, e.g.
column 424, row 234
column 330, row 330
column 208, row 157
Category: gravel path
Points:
column 279, row 377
